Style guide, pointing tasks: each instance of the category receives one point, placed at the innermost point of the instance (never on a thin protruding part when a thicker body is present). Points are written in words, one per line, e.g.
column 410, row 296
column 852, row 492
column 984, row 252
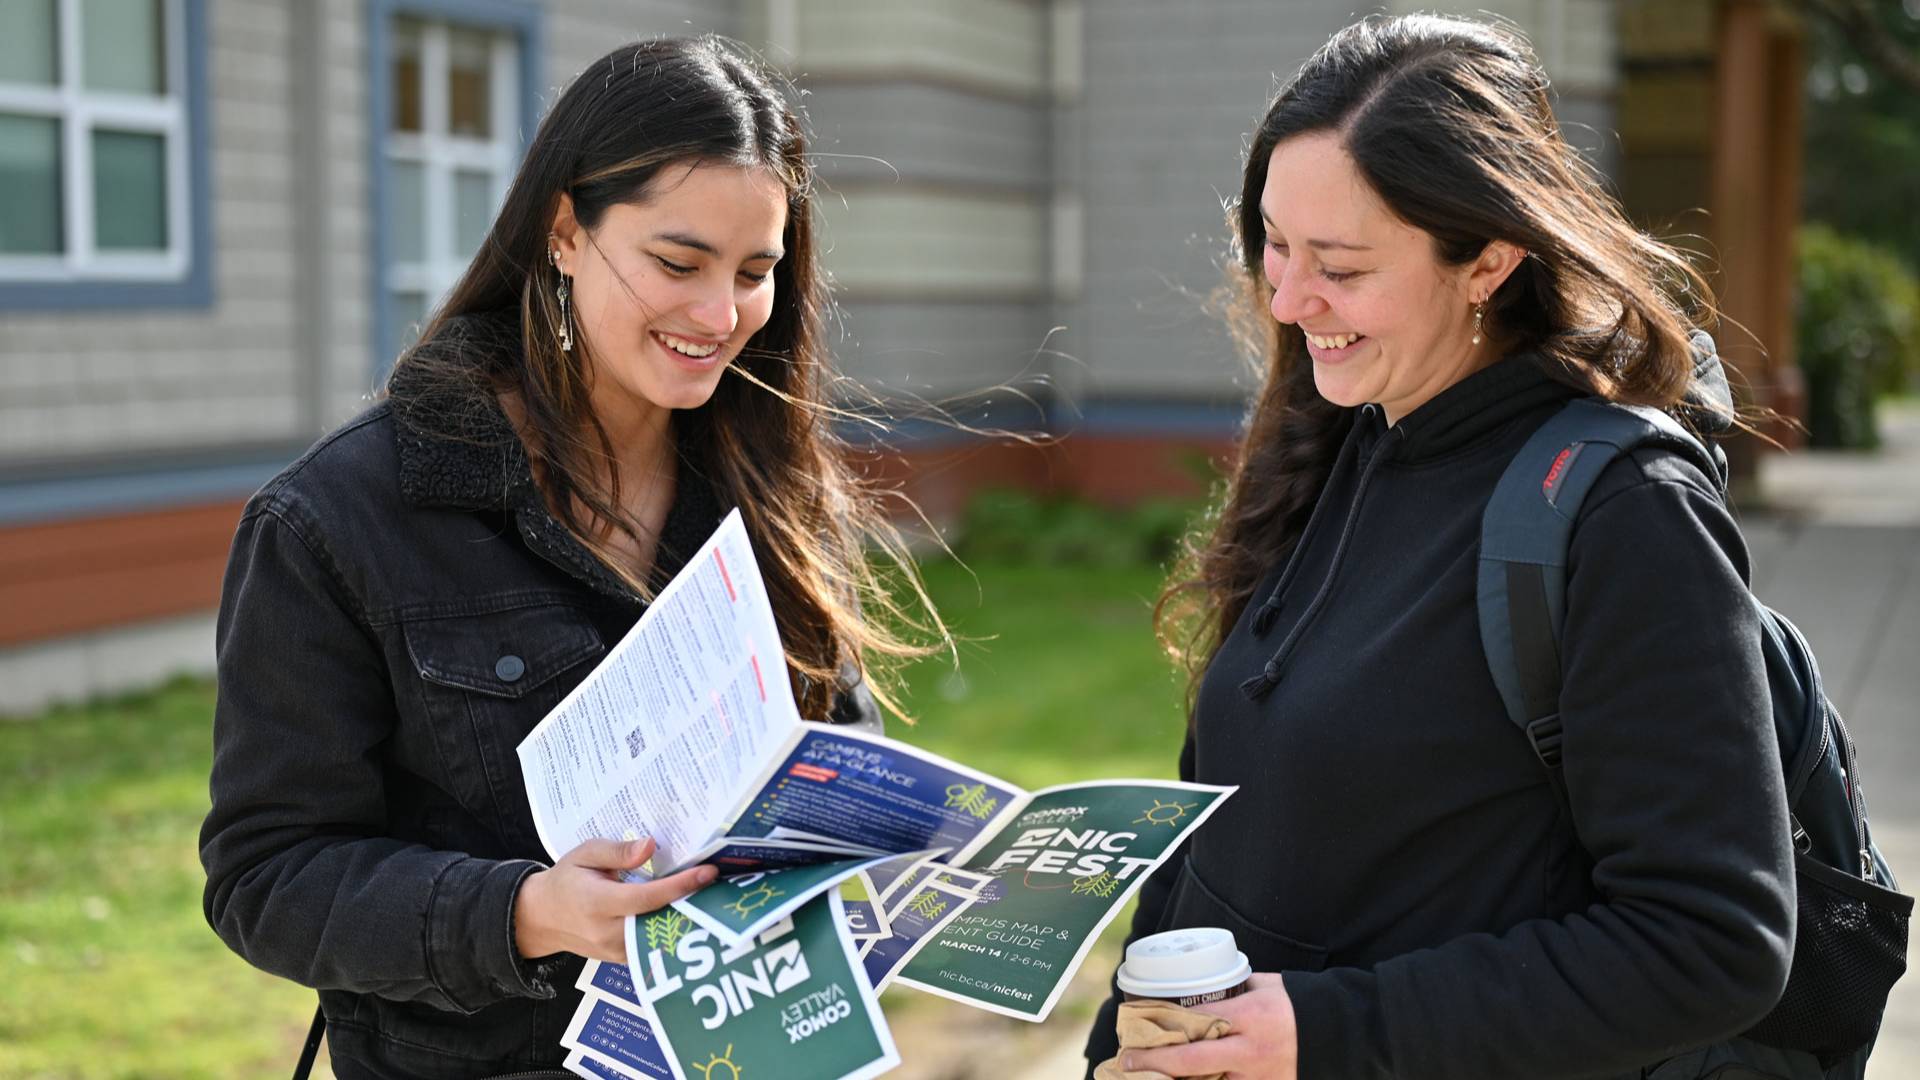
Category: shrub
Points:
column 1858, row 333
column 1006, row 525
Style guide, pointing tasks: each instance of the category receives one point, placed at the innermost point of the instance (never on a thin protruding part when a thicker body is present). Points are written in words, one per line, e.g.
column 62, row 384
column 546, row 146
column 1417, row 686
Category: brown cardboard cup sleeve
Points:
column 1143, row 1025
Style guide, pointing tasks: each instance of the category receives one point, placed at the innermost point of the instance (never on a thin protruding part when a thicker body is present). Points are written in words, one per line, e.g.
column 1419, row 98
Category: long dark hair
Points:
column 767, row 432
column 1449, row 122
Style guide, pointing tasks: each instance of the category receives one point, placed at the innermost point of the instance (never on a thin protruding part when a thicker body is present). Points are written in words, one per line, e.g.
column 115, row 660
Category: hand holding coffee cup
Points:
column 1193, row 1008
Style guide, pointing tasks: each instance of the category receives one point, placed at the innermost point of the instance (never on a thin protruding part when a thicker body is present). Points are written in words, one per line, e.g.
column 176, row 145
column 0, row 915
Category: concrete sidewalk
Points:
column 1837, row 549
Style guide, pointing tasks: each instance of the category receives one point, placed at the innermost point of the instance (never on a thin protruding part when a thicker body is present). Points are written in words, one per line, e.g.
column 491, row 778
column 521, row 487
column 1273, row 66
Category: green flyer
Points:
column 1062, row 869
column 739, row 906
column 790, row 1003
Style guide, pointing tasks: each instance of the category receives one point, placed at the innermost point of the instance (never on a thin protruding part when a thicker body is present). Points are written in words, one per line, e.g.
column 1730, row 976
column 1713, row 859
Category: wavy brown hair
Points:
column 1450, row 123
column 767, row 433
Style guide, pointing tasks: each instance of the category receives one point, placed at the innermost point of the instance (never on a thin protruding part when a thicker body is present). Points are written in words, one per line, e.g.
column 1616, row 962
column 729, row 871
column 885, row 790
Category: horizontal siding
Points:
column 1588, row 59
column 997, row 44
column 931, row 351
column 582, row 31
column 902, row 130
column 348, row 328
column 934, row 245
column 1574, row 39
column 1171, row 92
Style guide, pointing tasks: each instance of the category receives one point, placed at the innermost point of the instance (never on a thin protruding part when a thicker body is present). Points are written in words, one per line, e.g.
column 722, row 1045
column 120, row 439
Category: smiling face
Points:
column 1385, row 320
column 666, row 291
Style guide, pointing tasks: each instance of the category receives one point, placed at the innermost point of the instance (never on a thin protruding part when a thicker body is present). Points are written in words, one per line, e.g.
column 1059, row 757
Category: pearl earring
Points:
column 1479, row 313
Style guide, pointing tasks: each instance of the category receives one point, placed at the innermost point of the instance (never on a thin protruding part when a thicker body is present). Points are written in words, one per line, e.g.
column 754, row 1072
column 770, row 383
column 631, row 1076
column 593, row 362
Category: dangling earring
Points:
column 1479, row 312
column 563, row 293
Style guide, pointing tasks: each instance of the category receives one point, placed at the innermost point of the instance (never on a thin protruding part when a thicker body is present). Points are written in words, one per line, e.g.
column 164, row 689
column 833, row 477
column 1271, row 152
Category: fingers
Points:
column 610, row 854
column 663, row 891
column 1193, row 1059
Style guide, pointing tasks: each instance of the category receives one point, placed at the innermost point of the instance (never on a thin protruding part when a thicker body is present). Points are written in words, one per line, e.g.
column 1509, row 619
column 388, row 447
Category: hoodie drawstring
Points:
column 1262, row 684
column 1270, row 609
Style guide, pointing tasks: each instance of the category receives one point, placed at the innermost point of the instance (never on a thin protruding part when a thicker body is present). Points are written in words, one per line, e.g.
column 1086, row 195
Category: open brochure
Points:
column 840, row 850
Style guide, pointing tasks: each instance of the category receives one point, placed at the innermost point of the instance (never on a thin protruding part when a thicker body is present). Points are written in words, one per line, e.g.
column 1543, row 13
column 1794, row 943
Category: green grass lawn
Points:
column 108, row 970
column 1059, row 677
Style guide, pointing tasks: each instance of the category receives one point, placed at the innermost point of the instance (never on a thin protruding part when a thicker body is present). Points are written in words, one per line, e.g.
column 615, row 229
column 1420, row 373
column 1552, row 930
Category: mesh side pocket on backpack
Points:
column 1849, row 950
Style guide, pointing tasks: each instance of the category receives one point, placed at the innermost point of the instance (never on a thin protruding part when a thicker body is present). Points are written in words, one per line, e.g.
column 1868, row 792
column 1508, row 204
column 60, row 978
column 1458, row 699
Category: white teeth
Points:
column 685, row 347
column 1338, row 341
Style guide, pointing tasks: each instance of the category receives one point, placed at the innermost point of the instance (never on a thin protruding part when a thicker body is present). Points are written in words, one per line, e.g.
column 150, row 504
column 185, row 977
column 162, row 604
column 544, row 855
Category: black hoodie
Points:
column 1395, row 847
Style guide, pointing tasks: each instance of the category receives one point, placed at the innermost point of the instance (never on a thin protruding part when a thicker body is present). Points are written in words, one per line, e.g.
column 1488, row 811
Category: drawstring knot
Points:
column 1269, row 611
column 1262, row 684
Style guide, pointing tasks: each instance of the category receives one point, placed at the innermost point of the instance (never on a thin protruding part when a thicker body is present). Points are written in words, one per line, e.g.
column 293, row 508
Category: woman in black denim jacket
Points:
column 405, row 602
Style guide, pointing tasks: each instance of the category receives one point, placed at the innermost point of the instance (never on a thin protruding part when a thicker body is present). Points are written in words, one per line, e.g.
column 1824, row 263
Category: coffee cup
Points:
column 1189, row 967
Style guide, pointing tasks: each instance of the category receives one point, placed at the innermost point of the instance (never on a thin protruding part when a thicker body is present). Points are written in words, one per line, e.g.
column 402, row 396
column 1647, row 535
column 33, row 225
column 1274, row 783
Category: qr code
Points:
column 635, row 743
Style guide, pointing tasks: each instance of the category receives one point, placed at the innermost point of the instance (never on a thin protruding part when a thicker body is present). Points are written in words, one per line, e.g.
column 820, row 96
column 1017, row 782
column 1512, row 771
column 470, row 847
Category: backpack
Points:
column 1850, row 946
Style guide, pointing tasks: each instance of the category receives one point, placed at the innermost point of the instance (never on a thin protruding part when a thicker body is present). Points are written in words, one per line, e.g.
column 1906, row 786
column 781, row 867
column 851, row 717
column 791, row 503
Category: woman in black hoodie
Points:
column 1443, row 274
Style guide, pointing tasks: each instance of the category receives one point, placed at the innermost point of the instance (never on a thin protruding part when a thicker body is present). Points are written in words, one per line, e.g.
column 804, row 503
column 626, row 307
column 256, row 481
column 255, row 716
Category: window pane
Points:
column 473, row 211
column 29, row 185
column 122, row 46
column 409, row 212
column 406, row 75
column 468, row 86
column 129, row 191
column 409, row 311
column 28, row 43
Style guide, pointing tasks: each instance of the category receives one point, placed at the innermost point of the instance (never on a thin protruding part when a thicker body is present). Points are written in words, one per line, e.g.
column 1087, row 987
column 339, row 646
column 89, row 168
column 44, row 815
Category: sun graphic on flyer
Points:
column 1164, row 813
column 719, row 1061
column 753, row 900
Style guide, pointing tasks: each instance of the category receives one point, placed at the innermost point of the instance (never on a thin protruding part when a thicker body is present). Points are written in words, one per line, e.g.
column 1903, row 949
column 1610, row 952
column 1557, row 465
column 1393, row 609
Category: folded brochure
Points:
column 963, row 884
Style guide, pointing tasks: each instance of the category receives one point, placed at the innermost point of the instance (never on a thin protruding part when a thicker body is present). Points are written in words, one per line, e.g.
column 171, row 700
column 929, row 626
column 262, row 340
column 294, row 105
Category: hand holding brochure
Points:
column 974, row 889
column 661, row 737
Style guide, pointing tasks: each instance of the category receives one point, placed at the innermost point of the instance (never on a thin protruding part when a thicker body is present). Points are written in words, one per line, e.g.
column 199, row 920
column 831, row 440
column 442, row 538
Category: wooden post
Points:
column 1755, row 210
column 1789, row 390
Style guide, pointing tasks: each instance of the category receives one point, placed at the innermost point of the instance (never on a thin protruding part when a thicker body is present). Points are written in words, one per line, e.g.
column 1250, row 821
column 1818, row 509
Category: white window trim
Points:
column 439, row 155
column 78, row 112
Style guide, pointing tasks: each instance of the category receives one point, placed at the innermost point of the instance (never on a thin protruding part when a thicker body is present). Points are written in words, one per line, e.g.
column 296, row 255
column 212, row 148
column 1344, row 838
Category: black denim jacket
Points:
column 399, row 611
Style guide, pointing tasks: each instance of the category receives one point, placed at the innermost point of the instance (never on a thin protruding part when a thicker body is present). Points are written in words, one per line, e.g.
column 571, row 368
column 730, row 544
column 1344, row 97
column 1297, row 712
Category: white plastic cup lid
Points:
column 1183, row 963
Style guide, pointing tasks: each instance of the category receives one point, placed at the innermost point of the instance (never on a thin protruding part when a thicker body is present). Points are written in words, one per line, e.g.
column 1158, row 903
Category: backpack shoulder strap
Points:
column 1524, row 537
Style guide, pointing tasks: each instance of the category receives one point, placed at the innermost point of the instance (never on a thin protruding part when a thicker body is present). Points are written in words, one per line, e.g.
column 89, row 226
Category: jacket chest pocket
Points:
column 486, row 680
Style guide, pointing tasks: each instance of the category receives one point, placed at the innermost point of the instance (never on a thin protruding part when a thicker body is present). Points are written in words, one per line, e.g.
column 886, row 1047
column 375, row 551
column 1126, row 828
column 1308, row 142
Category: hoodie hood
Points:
column 1464, row 417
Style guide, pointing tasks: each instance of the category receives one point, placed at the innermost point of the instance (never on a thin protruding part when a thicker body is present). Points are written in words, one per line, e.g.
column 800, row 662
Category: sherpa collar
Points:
column 457, row 449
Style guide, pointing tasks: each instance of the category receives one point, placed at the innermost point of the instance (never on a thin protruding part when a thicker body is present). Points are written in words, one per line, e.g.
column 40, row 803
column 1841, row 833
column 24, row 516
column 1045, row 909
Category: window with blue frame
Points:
column 97, row 153
column 454, row 114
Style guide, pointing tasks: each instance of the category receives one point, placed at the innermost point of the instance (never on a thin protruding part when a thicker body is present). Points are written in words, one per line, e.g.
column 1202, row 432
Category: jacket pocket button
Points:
column 509, row 668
